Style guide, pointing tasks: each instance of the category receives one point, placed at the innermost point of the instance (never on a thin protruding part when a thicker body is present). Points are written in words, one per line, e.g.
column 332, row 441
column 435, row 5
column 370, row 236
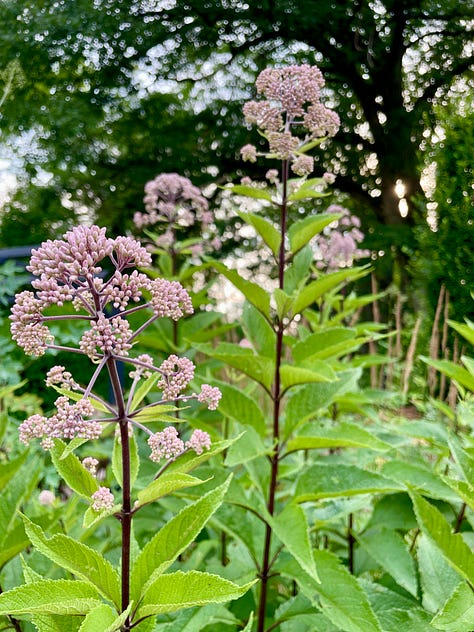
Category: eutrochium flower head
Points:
column 291, row 114
column 95, row 274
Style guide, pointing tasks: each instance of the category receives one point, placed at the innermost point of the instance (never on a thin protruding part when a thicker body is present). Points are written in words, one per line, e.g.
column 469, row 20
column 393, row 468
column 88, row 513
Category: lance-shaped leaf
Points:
column 240, row 407
column 302, row 231
column 388, row 549
column 466, row 330
column 462, row 458
column 457, row 614
column 420, row 478
column 248, row 191
column 19, row 487
column 49, row 596
column 438, row 579
column 464, row 490
column 438, row 530
column 454, row 371
column 12, row 542
column 331, row 481
column 190, row 460
column 294, row 375
column 105, row 619
column 173, row 538
column 96, row 403
column 117, row 460
column 344, row 435
column 166, row 484
column 318, row 288
column 175, row 591
column 291, row 527
column 252, row 291
column 267, row 231
column 77, row 558
column 8, row 469
column 73, row 472
column 143, row 390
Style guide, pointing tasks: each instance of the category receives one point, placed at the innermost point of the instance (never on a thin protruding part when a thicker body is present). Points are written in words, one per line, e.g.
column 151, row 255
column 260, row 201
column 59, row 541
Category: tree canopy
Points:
column 117, row 91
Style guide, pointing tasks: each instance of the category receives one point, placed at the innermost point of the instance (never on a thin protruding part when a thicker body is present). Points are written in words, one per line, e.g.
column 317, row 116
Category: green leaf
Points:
column 331, row 481
column 466, row 330
column 258, row 331
column 103, row 618
column 462, row 458
column 249, row 446
column 18, row 488
column 437, row 578
column 173, row 538
column 77, row 558
column 76, row 397
column 451, row 545
column 189, row 460
column 92, row 517
column 174, row 591
column 302, row 231
column 73, row 472
column 240, row 407
column 8, row 469
column 457, row 614
column 283, row 302
column 266, row 230
column 252, row 292
column 49, row 596
column 298, row 270
column 388, row 549
column 248, row 191
column 291, row 527
column 464, row 490
column 165, row 485
column 142, row 391
column 419, row 477
column 117, row 460
column 291, row 375
column 318, row 288
column 12, row 542
column 453, row 371
column 342, row 435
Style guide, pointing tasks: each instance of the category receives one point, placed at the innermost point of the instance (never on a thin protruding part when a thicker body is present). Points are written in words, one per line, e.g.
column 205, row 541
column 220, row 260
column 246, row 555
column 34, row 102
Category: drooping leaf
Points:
column 294, row 375
column 77, row 558
column 419, row 477
column 457, row 614
column 248, row 191
column 453, row 371
column 16, row 490
column 166, row 484
column 331, row 481
column 466, row 330
column 266, row 230
column 462, row 458
column 341, row 435
column 388, row 549
column 252, row 292
column 73, row 472
column 173, row 538
column 302, row 231
column 50, row 596
column 258, row 331
column 451, row 545
column 8, row 469
column 240, row 407
column 248, row 447
column 174, row 591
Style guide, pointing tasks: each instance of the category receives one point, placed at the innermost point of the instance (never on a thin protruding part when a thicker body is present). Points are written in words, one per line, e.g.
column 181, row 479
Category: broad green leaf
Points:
column 464, row 490
column 305, row 402
column 92, row 517
column 173, row 538
column 77, row 558
column 453, row 371
column 142, row 391
column 318, row 288
column 157, row 412
column 248, row 191
column 103, row 618
column 18, row 488
column 12, row 542
column 451, row 545
column 291, row 527
column 266, row 230
column 302, row 231
column 248, row 447
column 73, row 472
column 283, row 302
column 341, row 435
column 462, row 458
column 291, row 375
column 174, row 591
column 331, row 481
column 437, row 578
column 252, row 292
column 298, row 270
column 419, row 477
column 189, row 460
column 388, row 549
column 49, row 596
column 259, row 368
column 258, row 331
column 320, row 341
column 457, row 614
column 240, row 407
column 466, row 330
column 117, row 460
column 166, row 484
column 8, row 469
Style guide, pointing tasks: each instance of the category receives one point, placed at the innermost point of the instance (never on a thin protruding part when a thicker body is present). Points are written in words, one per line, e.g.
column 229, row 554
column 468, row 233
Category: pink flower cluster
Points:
column 293, row 97
column 169, row 298
column 209, row 395
column 176, row 375
column 107, row 336
column 102, row 499
column 167, row 444
column 338, row 245
column 199, row 441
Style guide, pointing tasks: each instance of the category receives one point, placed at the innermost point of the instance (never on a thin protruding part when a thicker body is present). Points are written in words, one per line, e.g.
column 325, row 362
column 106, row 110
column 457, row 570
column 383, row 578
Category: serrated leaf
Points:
column 240, row 407
column 462, row 458
column 165, row 485
column 173, row 538
column 248, row 447
column 117, row 460
column 267, row 231
column 457, row 614
column 174, row 591
column 437, row 578
column 342, row 435
column 302, row 231
column 49, row 596
column 291, row 375
column 291, row 527
column 252, row 292
column 331, row 481
column 73, row 472
column 92, row 517
column 248, row 191
column 388, row 549
column 451, row 545
column 418, row 477
column 77, row 558
column 103, row 618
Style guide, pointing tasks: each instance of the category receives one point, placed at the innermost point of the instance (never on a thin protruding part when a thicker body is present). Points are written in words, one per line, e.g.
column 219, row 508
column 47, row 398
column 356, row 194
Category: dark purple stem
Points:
column 276, row 397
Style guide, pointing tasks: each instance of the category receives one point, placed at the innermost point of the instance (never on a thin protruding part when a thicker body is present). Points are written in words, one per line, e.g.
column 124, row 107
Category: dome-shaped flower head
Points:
column 106, row 336
column 176, row 375
column 169, row 299
column 165, row 444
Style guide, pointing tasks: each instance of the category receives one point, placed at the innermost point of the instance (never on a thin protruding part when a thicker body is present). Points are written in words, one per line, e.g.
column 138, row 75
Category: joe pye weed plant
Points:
column 72, row 273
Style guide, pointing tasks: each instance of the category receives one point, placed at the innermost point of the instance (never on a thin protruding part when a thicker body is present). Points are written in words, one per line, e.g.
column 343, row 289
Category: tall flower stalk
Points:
column 293, row 120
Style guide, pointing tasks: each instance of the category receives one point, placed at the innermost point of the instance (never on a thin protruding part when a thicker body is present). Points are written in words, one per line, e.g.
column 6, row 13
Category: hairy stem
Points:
column 276, row 397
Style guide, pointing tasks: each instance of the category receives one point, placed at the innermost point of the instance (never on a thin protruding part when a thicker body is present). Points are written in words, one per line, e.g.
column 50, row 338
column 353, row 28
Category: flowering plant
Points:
column 72, row 271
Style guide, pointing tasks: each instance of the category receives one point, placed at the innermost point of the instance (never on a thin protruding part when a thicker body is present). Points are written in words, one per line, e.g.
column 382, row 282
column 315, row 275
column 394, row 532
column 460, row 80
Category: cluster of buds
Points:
column 73, row 270
column 338, row 245
column 176, row 203
column 292, row 100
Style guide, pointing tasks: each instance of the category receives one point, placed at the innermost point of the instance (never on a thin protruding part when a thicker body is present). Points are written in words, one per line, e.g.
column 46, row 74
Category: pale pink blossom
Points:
column 102, row 499
column 165, row 444
column 170, row 299
column 209, row 395
column 176, row 375
column 199, row 441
